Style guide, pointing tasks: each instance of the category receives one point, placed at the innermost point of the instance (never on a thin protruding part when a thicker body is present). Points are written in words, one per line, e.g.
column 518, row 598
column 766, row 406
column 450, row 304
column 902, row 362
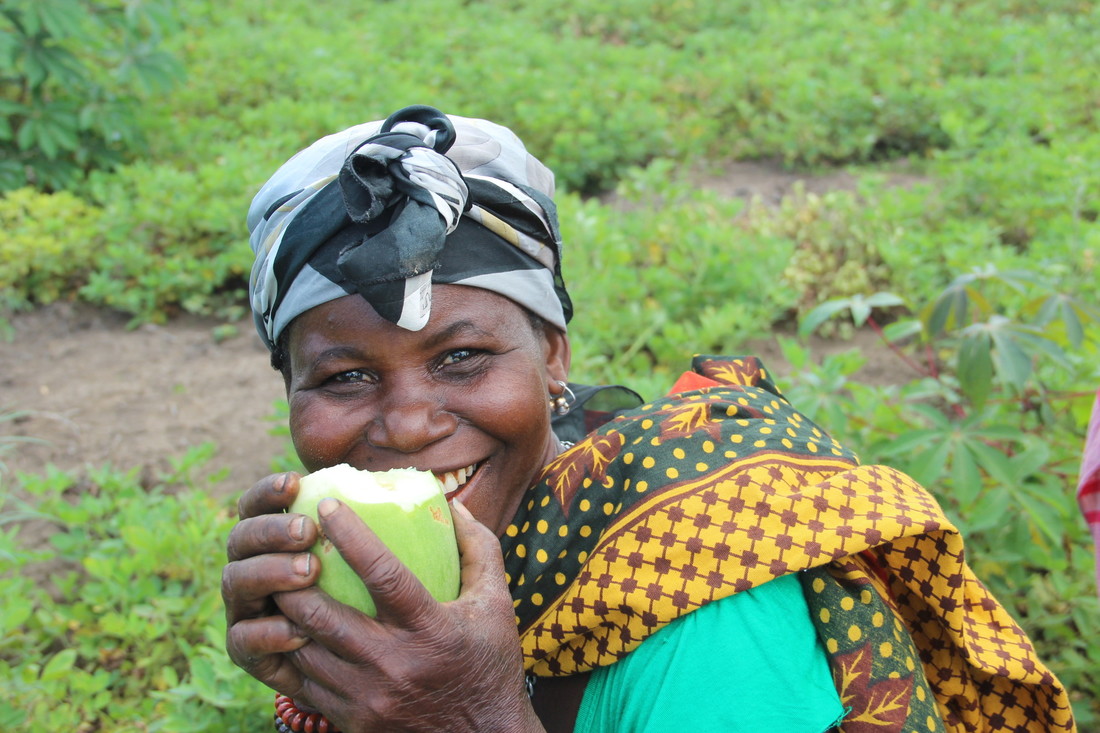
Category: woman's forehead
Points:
column 457, row 310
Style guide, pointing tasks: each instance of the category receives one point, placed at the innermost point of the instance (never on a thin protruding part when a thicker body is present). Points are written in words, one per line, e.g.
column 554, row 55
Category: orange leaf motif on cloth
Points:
column 687, row 419
column 591, row 458
column 743, row 372
column 883, row 705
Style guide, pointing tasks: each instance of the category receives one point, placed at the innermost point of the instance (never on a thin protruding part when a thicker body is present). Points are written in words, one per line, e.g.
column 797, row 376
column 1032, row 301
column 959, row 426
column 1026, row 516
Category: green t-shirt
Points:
column 751, row 662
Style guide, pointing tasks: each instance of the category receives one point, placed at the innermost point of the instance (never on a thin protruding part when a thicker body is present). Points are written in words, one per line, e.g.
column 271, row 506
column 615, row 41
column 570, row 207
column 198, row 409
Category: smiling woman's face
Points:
column 466, row 397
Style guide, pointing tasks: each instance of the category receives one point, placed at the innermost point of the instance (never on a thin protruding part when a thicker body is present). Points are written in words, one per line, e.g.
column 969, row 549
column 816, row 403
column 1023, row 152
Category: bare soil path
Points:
column 97, row 393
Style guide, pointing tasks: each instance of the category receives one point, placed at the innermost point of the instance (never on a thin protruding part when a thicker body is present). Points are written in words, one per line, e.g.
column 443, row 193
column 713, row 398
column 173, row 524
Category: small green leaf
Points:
column 820, row 314
column 949, row 310
column 1041, row 514
column 59, row 665
column 1012, row 362
column 975, row 368
column 61, row 19
column 861, row 310
column 901, row 330
column 966, row 479
column 929, row 465
column 884, row 300
column 909, row 441
column 27, row 137
column 995, row 463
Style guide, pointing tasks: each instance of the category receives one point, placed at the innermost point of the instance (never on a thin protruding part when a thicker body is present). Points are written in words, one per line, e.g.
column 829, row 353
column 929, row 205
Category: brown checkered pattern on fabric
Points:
column 696, row 497
column 741, row 526
column 980, row 664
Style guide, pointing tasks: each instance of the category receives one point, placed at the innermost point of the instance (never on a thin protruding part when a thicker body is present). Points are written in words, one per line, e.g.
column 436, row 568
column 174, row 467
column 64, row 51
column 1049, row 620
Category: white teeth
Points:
column 453, row 479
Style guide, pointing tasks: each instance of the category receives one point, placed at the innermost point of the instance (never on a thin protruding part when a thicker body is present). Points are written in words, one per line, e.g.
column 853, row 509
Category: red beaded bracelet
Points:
column 289, row 718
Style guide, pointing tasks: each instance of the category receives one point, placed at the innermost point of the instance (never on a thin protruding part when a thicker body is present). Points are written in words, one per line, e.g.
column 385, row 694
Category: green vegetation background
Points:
column 137, row 133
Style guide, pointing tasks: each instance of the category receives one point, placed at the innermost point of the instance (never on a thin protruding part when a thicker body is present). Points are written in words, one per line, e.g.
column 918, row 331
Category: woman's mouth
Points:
column 454, row 480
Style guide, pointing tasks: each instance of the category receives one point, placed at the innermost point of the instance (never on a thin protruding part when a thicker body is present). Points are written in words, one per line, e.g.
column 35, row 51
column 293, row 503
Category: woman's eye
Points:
column 352, row 376
column 456, row 356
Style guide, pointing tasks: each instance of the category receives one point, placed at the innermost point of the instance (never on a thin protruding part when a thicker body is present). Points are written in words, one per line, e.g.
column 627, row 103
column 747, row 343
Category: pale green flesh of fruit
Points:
column 408, row 512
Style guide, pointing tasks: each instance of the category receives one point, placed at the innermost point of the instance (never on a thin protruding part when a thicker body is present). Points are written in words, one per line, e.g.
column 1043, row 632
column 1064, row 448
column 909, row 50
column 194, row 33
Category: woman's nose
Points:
column 409, row 422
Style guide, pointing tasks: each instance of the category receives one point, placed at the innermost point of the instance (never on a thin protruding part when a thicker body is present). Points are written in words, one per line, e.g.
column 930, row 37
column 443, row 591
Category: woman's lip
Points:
column 460, row 492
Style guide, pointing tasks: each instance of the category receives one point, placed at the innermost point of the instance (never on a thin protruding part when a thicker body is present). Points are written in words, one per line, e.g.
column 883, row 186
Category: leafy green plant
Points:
column 50, row 243
column 837, row 245
column 981, row 427
column 672, row 261
column 995, row 340
column 115, row 623
column 78, row 68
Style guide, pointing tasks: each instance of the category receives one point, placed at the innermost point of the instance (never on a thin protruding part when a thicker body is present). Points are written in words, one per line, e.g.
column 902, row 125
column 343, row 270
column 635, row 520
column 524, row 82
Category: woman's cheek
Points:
column 315, row 432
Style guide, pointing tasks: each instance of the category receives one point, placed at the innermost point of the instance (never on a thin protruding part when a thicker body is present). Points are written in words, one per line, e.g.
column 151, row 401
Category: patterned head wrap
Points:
column 385, row 209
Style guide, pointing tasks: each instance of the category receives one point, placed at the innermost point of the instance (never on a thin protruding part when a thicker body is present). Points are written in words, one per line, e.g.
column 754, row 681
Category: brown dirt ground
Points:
column 97, row 393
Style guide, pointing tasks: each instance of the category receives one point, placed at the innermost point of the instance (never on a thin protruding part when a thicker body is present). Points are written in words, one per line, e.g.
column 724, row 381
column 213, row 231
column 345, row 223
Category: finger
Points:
column 271, row 495
column 279, row 652
column 324, row 686
column 329, row 670
column 259, row 646
column 271, row 533
column 478, row 548
column 337, row 627
column 247, row 584
column 397, row 593
column 253, row 638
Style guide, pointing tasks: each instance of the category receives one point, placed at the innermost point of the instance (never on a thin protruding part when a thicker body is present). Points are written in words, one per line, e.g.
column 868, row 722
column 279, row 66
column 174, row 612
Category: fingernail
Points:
column 459, row 507
column 301, row 563
column 280, row 485
column 298, row 637
column 298, row 528
column 327, row 506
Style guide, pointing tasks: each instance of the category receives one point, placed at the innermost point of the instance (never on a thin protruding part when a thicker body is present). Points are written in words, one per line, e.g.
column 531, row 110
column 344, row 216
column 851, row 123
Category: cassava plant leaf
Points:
column 1075, row 315
column 899, row 331
column 966, row 479
column 820, row 314
column 975, row 367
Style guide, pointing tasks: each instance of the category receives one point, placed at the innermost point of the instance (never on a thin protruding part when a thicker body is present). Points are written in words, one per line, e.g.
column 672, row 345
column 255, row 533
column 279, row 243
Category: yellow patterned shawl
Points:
column 703, row 494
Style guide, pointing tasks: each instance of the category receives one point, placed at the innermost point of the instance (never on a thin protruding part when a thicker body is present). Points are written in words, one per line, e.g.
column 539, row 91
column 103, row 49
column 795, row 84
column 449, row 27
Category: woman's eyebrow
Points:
column 458, row 328
column 335, row 353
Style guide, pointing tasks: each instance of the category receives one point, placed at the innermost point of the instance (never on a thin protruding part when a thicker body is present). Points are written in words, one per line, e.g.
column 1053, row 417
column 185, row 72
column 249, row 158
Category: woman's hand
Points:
column 420, row 665
column 268, row 553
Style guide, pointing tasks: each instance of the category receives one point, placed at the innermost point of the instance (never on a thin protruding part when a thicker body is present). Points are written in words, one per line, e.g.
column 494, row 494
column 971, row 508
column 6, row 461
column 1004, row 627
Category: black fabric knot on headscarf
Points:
column 406, row 196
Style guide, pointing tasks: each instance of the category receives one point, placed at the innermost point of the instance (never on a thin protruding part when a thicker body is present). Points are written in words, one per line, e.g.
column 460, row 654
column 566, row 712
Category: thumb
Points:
column 478, row 549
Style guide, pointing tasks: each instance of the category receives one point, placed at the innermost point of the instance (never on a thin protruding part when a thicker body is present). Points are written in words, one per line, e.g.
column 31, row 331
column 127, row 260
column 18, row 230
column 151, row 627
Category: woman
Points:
column 710, row 561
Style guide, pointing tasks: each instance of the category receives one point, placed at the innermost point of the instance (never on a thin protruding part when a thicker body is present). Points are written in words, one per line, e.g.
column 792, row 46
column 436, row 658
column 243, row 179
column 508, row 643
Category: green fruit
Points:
column 405, row 508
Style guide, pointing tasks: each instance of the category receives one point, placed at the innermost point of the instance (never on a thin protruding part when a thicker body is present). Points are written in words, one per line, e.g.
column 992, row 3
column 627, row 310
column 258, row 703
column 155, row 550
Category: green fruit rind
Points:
column 409, row 513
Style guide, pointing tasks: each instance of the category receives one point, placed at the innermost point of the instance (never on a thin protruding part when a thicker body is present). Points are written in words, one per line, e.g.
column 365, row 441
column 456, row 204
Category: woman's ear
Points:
column 558, row 353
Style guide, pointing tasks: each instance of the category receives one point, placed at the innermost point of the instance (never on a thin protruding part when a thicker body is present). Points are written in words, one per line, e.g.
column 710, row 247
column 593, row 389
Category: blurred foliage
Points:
column 49, row 245
column 986, row 105
column 968, row 239
column 837, row 244
column 74, row 74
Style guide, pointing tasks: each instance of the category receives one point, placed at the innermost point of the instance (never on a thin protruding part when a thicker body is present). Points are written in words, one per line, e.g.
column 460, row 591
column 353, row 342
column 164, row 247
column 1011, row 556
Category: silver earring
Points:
column 563, row 402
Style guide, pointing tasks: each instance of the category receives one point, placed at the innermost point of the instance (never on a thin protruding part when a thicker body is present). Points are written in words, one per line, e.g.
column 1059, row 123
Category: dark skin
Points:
column 471, row 389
